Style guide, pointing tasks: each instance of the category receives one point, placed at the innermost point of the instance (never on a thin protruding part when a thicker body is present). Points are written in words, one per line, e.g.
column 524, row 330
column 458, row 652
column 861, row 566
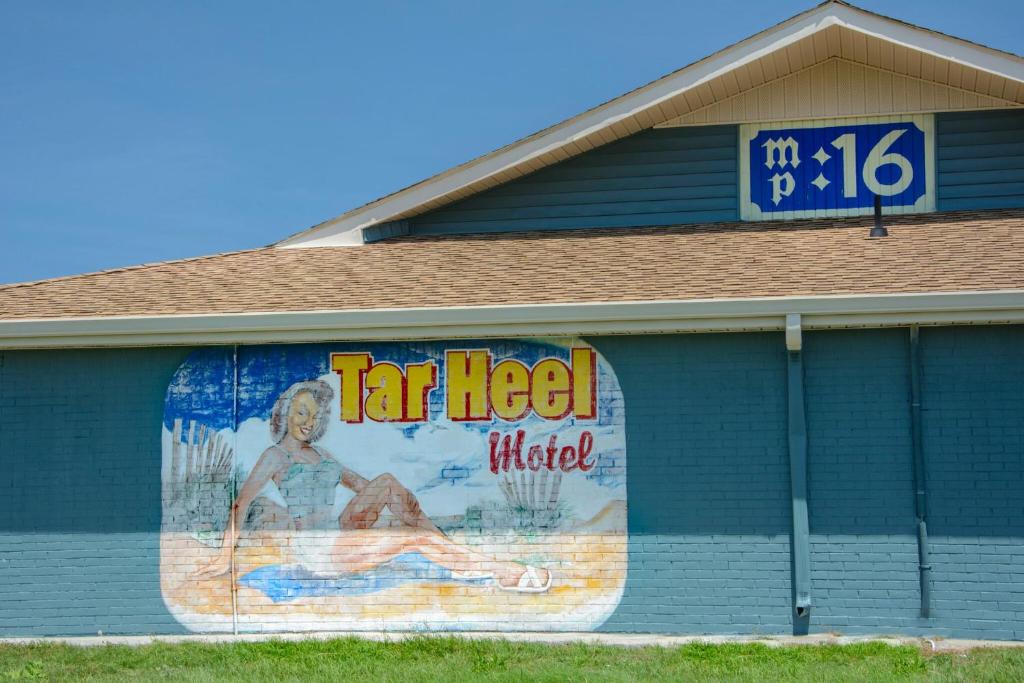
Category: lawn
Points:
column 453, row 659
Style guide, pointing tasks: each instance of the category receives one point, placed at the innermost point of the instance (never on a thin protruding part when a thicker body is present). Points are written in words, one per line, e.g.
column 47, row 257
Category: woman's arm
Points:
column 269, row 463
column 352, row 480
column 349, row 479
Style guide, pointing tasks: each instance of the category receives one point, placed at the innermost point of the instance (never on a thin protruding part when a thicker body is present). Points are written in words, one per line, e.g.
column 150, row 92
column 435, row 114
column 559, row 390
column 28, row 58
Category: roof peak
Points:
column 643, row 108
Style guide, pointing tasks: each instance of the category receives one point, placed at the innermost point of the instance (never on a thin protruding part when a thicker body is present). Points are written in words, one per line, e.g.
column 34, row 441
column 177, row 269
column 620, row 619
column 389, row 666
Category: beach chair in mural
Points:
column 200, row 485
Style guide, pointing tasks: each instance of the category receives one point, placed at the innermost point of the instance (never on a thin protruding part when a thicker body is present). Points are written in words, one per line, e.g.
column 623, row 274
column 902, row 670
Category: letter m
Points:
column 502, row 458
column 781, row 151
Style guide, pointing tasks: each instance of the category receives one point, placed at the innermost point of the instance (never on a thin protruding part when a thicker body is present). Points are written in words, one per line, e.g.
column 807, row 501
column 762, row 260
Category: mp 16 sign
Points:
column 811, row 169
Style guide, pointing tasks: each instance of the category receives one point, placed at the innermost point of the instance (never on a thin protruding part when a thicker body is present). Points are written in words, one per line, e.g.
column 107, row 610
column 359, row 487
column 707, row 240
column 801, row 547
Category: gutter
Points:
column 556, row 319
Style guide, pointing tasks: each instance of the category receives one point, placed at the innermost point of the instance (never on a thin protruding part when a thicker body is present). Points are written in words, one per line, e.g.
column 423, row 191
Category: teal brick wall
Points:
column 861, row 507
column 80, row 504
column 864, row 561
column 973, row 412
column 708, row 487
column 708, row 484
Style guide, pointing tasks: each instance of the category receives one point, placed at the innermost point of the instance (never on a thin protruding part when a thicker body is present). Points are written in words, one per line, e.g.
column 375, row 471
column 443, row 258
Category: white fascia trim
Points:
column 346, row 230
column 642, row 317
column 930, row 42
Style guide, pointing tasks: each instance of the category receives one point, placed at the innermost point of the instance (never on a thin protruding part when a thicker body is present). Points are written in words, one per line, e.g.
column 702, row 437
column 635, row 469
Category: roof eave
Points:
column 639, row 317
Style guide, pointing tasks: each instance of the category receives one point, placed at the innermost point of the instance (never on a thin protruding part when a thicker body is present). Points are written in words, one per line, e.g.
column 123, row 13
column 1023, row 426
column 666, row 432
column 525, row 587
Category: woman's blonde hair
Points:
column 321, row 392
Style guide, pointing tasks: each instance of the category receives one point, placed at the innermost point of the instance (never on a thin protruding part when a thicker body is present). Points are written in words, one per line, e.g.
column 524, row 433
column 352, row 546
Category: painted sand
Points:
column 277, row 593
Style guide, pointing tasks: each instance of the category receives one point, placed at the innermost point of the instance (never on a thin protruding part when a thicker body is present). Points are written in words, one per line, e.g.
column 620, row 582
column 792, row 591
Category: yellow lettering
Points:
column 466, row 384
column 551, row 393
column 584, row 383
column 387, row 389
column 351, row 367
column 420, row 378
column 510, row 390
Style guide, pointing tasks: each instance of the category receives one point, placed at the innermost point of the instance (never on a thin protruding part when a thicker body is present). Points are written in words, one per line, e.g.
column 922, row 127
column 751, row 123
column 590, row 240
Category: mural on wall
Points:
column 408, row 486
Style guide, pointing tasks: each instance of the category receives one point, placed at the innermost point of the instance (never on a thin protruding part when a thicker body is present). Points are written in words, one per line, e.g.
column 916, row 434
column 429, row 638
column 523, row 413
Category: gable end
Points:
column 657, row 177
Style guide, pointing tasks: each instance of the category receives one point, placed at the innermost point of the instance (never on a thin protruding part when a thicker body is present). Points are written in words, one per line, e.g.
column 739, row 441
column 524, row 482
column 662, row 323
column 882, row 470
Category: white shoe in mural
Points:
column 530, row 581
column 406, row 486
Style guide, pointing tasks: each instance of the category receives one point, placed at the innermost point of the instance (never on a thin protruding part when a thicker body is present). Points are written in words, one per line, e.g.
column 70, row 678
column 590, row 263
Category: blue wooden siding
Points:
column 980, row 159
column 676, row 176
column 657, row 177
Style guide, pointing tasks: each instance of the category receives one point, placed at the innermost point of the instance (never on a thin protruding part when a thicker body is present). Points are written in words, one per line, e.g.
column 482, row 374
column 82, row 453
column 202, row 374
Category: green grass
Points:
column 453, row 659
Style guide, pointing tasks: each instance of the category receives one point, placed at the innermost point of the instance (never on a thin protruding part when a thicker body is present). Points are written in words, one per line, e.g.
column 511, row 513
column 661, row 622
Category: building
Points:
column 737, row 352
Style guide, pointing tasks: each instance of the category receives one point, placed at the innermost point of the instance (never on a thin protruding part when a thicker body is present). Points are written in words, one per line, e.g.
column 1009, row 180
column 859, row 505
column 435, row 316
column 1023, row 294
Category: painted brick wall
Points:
column 973, row 412
column 861, row 507
column 80, row 502
column 708, row 483
column 709, row 489
column 657, row 177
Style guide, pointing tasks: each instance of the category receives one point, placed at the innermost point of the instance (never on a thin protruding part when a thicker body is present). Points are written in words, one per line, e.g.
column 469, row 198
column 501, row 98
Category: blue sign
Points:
column 836, row 169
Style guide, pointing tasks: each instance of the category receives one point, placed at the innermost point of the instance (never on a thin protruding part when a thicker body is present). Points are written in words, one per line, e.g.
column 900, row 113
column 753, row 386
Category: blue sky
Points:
column 141, row 131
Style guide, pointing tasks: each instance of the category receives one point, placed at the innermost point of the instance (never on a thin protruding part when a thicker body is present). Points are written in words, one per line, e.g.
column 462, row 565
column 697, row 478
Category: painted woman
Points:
column 307, row 477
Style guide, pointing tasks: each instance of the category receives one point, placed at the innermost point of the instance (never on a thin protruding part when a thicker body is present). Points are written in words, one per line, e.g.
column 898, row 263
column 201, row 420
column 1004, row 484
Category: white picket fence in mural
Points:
column 200, row 482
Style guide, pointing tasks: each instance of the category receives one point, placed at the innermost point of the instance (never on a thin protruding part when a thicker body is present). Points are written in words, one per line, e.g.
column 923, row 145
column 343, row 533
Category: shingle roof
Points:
column 962, row 251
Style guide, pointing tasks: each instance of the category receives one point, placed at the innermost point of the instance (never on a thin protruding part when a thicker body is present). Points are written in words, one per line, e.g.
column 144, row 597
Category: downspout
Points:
column 924, row 566
column 797, row 428
column 234, row 492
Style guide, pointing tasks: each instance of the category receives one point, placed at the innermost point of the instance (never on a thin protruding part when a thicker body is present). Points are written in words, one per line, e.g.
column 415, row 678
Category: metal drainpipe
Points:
column 920, row 491
column 234, row 491
column 797, row 427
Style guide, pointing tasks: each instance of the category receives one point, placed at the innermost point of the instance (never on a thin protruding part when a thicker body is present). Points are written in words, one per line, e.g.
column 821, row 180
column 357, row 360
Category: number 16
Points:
column 878, row 157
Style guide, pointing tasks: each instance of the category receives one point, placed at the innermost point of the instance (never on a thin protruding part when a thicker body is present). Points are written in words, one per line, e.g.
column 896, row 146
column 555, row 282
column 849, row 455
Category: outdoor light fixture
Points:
column 878, row 230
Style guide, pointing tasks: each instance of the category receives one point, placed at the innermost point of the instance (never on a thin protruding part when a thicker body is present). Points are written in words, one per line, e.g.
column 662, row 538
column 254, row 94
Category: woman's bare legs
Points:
column 366, row 550
column 363, row 511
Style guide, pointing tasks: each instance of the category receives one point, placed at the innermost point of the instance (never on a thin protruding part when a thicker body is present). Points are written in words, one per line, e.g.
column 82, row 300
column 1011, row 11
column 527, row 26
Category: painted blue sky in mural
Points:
column 202, row 389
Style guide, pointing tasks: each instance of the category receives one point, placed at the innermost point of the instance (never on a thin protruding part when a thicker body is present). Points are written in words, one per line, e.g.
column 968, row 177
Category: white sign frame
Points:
column 749, row 211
